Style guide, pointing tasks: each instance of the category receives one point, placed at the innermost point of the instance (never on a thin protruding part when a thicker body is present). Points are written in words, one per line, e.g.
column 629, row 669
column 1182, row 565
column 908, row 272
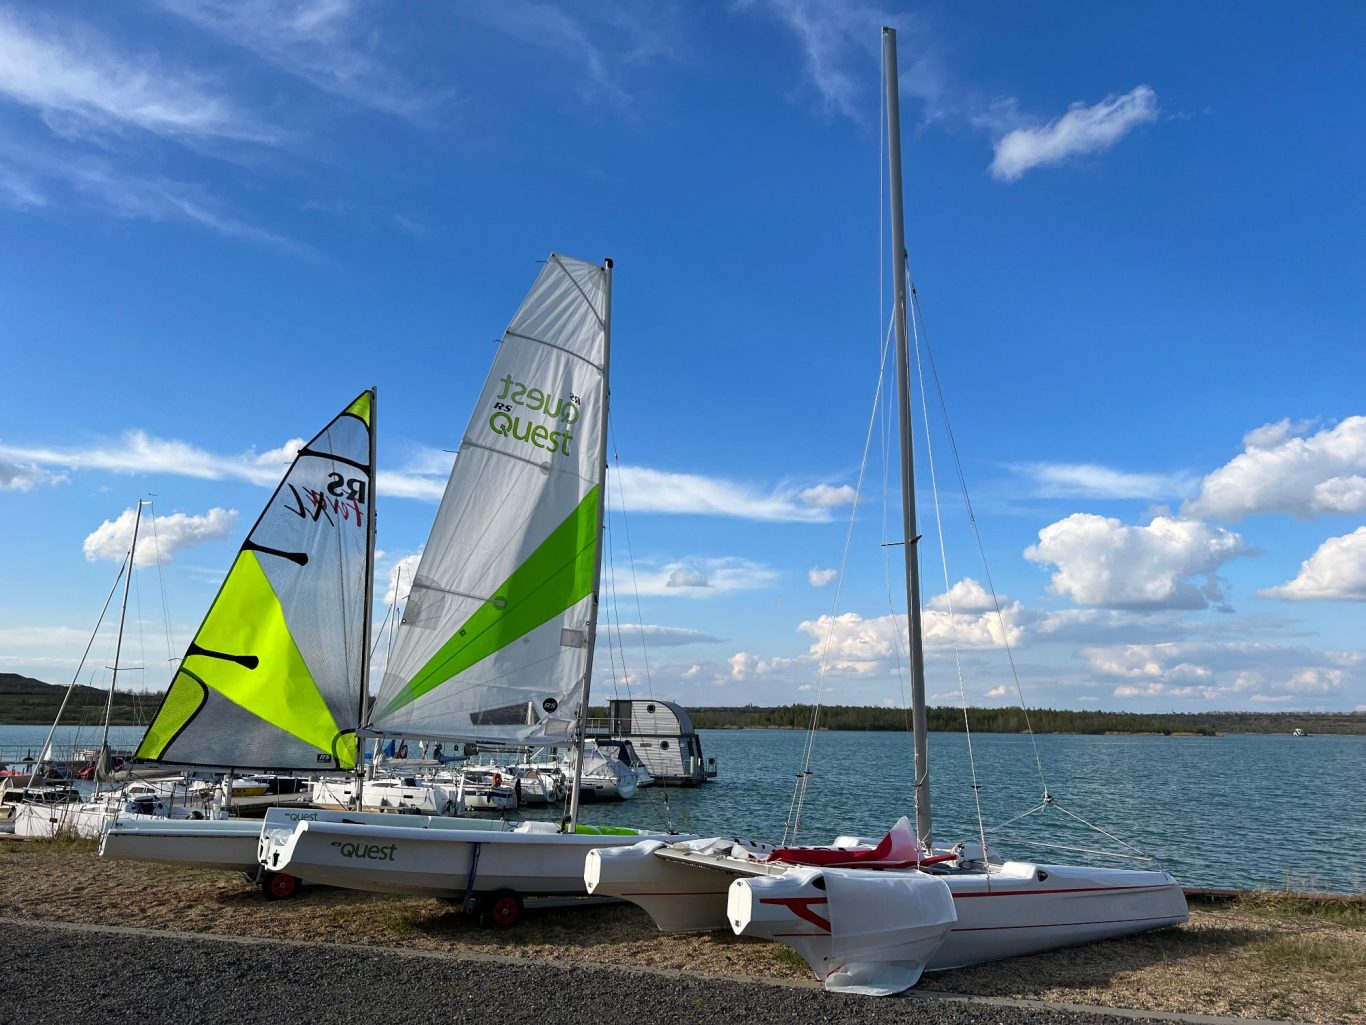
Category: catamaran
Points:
column 870, row 915
column 496, row 640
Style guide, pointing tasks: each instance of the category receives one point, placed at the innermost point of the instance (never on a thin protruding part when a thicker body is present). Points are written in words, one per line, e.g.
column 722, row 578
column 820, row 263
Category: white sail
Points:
column 494, row 639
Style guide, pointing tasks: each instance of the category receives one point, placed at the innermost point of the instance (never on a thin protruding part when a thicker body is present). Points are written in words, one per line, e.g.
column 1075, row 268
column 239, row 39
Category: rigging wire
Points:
column 804, row 778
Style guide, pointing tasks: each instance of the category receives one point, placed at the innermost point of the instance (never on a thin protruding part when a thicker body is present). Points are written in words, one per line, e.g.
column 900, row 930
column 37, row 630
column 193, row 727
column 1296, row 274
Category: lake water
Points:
column 1236, row 811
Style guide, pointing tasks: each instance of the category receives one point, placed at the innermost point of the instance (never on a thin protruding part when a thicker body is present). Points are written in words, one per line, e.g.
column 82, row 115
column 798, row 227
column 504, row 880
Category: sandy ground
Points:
column 1224, row 961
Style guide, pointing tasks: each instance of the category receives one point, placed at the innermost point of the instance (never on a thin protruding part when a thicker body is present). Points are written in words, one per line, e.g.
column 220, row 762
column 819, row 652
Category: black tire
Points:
column 501, row 909
column 279, row 885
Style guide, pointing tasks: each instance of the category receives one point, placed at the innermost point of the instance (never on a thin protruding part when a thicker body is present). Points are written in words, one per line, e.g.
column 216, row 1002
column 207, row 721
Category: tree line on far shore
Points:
column 24, row 700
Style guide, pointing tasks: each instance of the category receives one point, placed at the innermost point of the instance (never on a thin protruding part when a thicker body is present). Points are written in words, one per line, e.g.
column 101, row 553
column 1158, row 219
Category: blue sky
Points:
column 1136, row 235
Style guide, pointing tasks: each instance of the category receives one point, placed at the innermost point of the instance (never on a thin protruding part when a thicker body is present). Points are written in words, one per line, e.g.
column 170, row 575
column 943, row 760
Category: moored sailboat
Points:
column 870, row 915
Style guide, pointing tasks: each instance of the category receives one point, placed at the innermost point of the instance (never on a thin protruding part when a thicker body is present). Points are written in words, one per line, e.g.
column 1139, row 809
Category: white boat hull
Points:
column 434, row 860
column 222, row 843
column 1019, row 908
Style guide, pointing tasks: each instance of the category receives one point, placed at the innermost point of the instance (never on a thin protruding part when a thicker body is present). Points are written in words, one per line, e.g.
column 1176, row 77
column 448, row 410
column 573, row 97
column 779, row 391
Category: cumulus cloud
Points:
column 170, row 534
column 869, row 646
column 821, row 577
column 1284, row 469
column 1086, row 480
column 1082, row 129
column 998, row 692
column 1230, row 674
column 400, row 578
column 687, row 578
column 1336, row 572
column 1100, row 561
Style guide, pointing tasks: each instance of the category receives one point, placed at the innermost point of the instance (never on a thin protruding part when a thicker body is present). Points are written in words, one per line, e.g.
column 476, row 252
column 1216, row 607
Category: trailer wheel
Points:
column 502, row 909
column 279, row 885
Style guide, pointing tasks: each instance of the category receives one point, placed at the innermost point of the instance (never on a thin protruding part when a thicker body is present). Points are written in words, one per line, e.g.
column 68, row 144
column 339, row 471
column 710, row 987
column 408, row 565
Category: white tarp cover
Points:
column 884, row 928
column 491, row 644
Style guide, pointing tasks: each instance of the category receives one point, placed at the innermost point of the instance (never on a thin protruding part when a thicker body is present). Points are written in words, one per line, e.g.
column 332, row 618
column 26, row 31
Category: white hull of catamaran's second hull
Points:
column 1032, row 908
column 1021, row 908
column 436, row 862
column 224, row 843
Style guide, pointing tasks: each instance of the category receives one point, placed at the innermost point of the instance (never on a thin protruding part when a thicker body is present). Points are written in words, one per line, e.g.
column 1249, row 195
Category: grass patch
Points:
column 1346, row 912
column 788, row 958
column 1310, row 954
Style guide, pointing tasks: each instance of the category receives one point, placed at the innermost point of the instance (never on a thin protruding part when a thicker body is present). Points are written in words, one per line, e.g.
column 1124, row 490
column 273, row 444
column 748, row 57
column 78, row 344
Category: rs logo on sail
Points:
column 367, row 851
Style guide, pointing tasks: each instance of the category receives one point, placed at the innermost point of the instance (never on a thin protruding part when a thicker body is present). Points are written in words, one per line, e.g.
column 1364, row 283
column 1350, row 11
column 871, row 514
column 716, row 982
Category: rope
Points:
column 918, row 318
column 948, row 588
column 824, row 665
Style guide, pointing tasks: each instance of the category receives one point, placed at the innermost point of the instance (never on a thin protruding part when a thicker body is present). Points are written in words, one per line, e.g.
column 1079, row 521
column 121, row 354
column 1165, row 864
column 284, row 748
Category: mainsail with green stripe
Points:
column 496, row 635
column 273, row 678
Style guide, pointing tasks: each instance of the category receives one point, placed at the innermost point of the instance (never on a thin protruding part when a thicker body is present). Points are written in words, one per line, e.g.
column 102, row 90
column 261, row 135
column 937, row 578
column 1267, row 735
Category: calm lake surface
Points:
column 1236, row 811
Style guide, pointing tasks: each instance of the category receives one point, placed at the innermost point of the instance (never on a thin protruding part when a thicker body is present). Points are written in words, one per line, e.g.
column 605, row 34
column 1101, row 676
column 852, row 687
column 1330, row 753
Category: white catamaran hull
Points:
column 1019, row 908
column 433, row 860
column 210, row 843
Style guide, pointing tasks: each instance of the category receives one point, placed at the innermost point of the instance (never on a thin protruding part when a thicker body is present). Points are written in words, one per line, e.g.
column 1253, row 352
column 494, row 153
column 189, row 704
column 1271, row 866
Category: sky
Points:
column 1135, row 234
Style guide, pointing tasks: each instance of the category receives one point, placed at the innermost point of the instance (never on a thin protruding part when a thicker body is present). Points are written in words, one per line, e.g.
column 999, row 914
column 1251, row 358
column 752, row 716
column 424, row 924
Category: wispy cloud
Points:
column 1086, row 480
column 25, row 476
column 598, row 41
column 1082, row 129
column 60, row 67
column 334, row 45
column 665, row 636
column 661, row 491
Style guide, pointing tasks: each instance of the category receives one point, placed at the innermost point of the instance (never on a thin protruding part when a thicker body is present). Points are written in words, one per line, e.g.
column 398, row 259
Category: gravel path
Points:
column 85, row 975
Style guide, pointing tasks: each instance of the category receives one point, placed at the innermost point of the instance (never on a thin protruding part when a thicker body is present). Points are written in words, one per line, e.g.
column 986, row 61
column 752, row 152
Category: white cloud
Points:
column 162, row 539
column 744, row 666
column 644, row 490
column 1283, row 470
column 598, row 41
column 20, row 476
column 967, row 595
column 58, row 67
column 998, row 692
column 821, row 577
column 1227, row 674
column 1336, row 572
column 665, row 636
column 1085, row 480
column 687, row 578
column 400, row 578
column 1100, row 561
column 853, row 644
column 327, row 43
column 1082, row 129
column 826, row 496
column 692, row 578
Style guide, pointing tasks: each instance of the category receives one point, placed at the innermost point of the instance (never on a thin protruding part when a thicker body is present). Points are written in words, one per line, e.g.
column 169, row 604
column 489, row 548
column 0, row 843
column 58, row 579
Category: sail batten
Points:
column 272, row 678
column 519, row 524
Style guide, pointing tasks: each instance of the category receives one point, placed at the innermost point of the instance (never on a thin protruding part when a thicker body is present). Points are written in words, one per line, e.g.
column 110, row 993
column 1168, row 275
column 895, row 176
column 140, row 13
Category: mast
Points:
column 363, row 699
column 118, row 647
column 912, row 538
column 591, row 640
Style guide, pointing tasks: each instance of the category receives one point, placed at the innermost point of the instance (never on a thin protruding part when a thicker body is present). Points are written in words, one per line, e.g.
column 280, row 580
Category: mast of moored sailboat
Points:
column 103, row 755
column 911, row 538
column 591, row 638
column 363, row 699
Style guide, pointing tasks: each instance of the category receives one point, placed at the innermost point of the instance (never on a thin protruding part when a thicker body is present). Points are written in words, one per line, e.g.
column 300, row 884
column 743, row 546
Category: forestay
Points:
column 273, row 678
column 495, row 634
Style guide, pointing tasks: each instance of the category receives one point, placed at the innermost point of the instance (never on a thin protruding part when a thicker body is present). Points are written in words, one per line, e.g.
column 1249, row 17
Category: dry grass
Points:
column 1263, row 956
